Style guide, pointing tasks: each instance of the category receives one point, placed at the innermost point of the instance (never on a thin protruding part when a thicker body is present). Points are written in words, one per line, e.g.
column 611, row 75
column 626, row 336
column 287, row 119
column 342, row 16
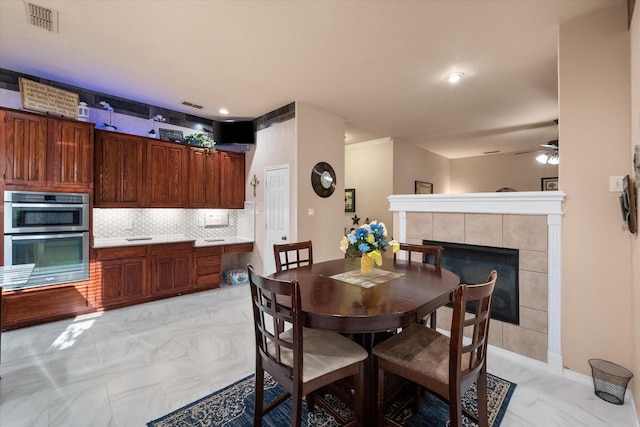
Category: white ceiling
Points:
column 380, row 65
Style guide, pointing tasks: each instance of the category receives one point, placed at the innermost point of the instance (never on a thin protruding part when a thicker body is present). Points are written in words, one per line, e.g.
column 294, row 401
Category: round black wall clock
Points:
column 323, row 179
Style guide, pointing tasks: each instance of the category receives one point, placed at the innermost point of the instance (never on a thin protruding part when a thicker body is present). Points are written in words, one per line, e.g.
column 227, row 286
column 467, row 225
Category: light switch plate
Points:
column 615, row 184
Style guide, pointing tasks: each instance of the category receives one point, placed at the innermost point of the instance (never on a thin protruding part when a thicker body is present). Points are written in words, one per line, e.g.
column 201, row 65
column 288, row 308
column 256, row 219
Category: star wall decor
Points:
column 355, row 219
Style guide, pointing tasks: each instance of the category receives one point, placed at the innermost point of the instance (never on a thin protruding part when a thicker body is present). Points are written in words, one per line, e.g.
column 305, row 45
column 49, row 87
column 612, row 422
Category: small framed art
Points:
column 422, row 187
column 349, row 199
column 549, row 184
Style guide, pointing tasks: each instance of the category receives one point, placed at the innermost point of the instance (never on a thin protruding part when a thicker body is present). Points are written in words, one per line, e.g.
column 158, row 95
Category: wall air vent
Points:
column 42, row 17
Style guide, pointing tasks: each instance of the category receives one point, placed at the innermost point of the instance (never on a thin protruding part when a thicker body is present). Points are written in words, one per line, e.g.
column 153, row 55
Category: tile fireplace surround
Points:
column 528, row 221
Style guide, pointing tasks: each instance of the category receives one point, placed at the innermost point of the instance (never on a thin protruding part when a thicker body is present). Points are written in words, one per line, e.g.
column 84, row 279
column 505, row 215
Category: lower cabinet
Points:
column 171, row 268
column 121, row 276
column 38, row 305
column 208, row 267
column 124, row 274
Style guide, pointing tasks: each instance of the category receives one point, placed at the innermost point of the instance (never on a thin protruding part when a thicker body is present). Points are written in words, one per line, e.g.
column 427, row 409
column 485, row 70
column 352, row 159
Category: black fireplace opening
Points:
column 473, row 263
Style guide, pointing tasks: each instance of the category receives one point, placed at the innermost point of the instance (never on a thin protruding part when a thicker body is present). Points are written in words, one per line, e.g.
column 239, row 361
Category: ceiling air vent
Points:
column 42, row 17
column 190, row 104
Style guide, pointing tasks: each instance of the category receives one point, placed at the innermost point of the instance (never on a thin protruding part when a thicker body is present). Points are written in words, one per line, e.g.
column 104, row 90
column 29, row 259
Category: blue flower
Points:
column 361, row 233
column 364, row 247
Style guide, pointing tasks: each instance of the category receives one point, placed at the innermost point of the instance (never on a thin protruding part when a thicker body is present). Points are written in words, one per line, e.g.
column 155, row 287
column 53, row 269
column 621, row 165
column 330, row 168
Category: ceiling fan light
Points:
column 542, row 158
column 554, row 159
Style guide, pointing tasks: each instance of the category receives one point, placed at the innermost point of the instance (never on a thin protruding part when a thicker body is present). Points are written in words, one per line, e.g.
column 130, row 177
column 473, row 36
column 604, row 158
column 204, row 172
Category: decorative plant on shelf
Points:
column 201, row 140
column 109, row 108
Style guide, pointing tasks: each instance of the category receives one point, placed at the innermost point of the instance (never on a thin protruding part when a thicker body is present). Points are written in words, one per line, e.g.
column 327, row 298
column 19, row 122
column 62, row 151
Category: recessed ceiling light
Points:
column 223, row 111
column 453, row 77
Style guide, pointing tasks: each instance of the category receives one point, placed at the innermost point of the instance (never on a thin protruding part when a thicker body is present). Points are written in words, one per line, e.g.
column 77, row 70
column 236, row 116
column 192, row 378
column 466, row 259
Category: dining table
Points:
column 336, row 296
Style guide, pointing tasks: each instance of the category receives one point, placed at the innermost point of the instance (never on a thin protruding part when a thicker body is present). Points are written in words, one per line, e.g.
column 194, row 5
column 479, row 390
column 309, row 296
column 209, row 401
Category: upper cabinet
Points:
column 119, row 171
column 40, row 152
column 70, row 156
column 232, row 180
column 167, row 175
column 204, row 177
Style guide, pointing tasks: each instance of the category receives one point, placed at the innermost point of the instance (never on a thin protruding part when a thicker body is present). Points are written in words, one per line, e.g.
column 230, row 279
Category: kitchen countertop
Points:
column 111, row 242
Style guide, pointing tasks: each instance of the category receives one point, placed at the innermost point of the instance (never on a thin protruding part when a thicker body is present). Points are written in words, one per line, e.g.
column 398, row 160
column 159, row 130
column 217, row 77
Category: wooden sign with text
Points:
column 47, row 99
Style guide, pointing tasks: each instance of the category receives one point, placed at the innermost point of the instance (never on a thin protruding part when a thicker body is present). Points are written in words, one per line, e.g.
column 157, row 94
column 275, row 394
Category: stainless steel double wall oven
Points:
column 50, row 231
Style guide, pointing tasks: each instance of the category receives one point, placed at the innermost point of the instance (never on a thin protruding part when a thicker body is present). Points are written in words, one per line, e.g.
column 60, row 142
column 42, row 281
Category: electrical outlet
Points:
column 128, row 224
column 615, row 184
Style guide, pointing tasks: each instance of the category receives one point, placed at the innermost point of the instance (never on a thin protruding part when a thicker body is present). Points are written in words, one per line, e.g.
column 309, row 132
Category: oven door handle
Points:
column 45, row 236
column 56, row 206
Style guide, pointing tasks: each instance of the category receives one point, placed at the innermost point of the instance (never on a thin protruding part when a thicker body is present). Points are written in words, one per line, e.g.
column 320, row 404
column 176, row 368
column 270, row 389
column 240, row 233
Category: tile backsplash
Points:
column 110, row 223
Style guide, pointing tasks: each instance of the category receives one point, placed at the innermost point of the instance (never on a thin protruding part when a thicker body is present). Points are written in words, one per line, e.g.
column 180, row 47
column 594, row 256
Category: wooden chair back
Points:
column 299, row 369
column 293, row 255
column 423, row 250
column 466, row 361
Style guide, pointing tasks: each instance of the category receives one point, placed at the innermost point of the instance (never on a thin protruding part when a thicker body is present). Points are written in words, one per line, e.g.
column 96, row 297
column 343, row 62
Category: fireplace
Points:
column 473, row 264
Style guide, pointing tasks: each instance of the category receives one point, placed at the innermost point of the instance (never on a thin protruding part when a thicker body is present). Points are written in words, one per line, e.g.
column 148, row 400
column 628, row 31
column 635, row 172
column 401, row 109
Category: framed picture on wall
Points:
column 424, row 187
column 349, row 199
column 549, row 184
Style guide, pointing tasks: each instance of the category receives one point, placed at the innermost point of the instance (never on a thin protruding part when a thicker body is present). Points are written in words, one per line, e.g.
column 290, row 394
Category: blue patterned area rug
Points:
column 233, row 407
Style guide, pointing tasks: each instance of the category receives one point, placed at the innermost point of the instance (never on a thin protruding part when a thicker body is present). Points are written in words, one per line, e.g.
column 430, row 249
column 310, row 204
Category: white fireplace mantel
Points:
column 548, row 203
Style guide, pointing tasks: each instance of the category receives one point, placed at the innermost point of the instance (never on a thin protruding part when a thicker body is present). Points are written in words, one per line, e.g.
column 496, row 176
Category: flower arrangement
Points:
column 200, row 139
column 370, row 239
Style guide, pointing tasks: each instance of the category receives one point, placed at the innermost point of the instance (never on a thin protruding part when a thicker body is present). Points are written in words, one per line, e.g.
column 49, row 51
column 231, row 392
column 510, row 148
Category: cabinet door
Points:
column 123, row 280
column 167, row 175
column 204, row 179
column 232, row 180
column 119, row 166
column 70, row 161
column 25, row 151
column 171, row 269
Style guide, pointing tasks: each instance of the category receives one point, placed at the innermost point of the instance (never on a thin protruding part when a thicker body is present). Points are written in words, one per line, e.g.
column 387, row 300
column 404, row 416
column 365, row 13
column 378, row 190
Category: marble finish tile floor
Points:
column 125, row 367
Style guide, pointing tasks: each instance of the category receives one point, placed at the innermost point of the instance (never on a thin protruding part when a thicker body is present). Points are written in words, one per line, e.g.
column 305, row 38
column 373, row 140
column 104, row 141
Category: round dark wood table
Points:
column 402, row 296
column 330, row 303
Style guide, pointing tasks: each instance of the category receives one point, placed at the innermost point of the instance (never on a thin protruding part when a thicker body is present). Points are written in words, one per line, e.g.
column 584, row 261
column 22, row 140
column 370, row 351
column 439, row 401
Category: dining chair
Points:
column 293, row 255
column 426, row 252
column 301, row 360
column 444, row 365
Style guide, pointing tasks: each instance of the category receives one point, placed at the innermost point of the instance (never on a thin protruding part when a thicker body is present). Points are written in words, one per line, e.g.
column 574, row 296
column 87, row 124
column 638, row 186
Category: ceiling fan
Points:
column 551, row 155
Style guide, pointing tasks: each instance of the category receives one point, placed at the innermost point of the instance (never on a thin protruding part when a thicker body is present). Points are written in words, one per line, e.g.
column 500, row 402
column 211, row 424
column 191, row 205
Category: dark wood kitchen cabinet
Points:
column 232, row 180
column 208, row 266
column 42, row 153
column 122, row 273
column 204, row 178
column 167, row 175
column 119, row 170
column 171, row 268
column 70, row 158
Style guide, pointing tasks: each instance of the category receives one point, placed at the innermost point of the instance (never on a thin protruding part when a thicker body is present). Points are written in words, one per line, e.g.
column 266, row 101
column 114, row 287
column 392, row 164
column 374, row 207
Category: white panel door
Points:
column 276, row 212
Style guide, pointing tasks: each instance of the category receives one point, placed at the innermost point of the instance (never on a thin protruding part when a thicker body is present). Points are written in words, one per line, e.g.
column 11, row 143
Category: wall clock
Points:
column 323, row 179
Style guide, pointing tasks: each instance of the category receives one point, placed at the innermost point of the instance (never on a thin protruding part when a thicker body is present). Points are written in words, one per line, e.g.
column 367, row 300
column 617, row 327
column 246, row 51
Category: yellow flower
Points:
column 394, row 245
column 376, row 256
column 370, row 238
column 344, row 244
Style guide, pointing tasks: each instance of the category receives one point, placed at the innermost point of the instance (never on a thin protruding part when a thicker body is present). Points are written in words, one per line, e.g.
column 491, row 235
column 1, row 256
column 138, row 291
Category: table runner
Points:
column 355, row 277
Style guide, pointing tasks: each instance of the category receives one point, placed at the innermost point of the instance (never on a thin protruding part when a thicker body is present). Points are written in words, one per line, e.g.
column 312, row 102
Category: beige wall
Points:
column 486, row 174
column 594, row 105
column 275, row 145
column 635, row 140
column 411, row 163
column 320, row 138
column 369, row 169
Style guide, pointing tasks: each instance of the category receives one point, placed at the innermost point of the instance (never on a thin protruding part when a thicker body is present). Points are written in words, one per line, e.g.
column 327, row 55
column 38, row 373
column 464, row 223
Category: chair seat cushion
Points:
column 421, row 349
column 323, row 352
